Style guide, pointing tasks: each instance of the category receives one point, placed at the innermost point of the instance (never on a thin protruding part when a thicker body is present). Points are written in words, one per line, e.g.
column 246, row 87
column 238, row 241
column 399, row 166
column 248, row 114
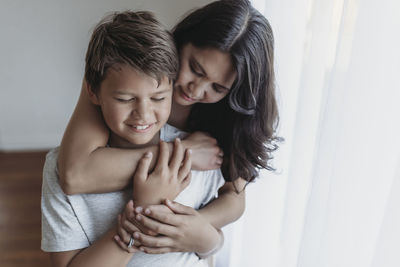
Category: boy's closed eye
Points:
column 157, row 99
column 125, row 100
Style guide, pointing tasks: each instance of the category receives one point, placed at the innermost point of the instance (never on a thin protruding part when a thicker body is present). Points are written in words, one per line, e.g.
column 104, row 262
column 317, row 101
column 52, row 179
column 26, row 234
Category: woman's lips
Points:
column 186, row 97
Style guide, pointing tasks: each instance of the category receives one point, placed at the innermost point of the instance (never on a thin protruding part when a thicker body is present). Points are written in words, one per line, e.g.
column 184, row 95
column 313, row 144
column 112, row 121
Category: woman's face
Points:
column 205, row 76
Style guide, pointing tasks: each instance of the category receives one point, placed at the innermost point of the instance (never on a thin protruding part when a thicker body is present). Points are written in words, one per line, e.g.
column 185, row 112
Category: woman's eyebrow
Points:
column 199, row 65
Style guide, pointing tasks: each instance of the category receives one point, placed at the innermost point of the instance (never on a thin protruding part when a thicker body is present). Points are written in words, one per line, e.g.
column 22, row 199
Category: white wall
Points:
column 42, row 48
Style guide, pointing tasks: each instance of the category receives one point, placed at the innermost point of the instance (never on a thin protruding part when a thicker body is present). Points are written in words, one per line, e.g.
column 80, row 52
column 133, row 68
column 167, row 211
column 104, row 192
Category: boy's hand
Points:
column 206, row 153
column 184, row 230
column 167, row 180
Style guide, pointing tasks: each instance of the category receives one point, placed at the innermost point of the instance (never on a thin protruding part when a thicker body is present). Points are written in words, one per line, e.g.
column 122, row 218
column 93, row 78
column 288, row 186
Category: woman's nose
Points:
column 197, row 89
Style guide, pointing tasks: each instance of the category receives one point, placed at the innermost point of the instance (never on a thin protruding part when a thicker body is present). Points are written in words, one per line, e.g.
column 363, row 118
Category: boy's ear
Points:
column 92, row 96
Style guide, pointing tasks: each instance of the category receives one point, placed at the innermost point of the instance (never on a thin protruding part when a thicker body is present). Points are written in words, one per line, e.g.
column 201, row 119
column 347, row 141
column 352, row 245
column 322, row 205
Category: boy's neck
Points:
column 179, row 115
column 118, row 142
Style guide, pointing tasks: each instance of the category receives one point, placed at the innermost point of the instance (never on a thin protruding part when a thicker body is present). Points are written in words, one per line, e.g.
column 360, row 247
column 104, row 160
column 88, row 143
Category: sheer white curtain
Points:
column 336, row 198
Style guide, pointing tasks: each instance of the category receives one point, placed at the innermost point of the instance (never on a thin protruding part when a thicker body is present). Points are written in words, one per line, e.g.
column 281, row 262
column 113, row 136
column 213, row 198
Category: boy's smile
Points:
column 134, row 106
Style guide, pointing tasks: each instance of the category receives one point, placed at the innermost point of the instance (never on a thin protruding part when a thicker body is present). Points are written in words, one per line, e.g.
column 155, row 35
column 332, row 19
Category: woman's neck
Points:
column 179, row 115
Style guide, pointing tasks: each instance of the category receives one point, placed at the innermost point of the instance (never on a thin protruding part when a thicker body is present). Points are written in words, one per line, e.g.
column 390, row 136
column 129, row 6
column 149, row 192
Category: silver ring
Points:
column 131, row 241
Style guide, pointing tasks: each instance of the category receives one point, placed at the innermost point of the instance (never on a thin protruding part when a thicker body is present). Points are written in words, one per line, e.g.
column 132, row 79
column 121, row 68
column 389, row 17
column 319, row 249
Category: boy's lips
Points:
column 141, row 128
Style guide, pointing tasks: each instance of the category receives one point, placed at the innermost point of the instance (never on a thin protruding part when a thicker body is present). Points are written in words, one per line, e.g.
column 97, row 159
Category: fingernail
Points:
column 135, row 235
column 168, row 202
column 178, row 140
column 138, row 217
column 189, row 151
column 147, row 211
column 148, row 154
column 141, row 249
column 116, row 237
column 139, row 209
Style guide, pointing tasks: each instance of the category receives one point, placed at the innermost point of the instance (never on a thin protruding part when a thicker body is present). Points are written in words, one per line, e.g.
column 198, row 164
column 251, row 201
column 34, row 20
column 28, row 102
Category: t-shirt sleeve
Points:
column 213, row 181
column 61, row 230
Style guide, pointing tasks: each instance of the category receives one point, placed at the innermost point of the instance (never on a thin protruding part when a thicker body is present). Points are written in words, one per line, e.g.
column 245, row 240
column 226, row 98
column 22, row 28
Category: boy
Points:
column 130, row 64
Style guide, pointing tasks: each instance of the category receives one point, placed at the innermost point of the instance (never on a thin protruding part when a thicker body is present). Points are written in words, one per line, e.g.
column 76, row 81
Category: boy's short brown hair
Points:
column 133, row 38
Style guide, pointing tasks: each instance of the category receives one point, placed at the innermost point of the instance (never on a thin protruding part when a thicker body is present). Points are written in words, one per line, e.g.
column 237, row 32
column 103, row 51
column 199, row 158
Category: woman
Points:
column 225, row 87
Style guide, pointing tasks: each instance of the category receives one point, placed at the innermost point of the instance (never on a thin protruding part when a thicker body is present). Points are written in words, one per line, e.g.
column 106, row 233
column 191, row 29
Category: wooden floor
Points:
column 20, row 187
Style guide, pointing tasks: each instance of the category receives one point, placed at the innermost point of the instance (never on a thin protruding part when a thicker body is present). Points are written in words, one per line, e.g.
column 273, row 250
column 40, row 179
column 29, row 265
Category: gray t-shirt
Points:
column 77, row 221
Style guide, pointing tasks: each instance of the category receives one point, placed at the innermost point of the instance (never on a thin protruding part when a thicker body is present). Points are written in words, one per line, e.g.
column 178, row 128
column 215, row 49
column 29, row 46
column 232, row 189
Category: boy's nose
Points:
column 141, row 111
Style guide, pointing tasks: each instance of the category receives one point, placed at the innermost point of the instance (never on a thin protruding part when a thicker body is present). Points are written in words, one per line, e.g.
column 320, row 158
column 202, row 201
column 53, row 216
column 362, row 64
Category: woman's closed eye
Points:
column 195, row 69
column 217, row 89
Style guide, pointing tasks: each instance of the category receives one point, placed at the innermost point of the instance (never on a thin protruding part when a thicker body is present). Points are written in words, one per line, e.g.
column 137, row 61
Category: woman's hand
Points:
column 168, row 179
column 123, row 237
column 206, row 153
column 180, row 228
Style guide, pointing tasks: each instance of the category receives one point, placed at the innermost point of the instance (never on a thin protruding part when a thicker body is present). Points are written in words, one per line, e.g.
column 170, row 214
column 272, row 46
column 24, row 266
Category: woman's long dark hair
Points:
column 244, row 122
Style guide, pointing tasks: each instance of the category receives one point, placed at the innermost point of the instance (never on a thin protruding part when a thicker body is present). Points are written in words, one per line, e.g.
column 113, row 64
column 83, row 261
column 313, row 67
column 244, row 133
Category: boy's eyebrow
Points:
column 205, row 73
column 163, row 91
column 157, row 93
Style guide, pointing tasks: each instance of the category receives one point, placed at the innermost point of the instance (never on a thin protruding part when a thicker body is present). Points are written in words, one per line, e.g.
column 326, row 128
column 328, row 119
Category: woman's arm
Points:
column 104, row 252
column 217, row 213
column 182, row 228
column 179, row 228
column 86, row 165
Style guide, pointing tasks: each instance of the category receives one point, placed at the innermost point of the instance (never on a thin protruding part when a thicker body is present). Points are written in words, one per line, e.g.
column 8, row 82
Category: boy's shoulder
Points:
column 53, row 153
column 168, row 133
column 51, row 158
column 50, row 171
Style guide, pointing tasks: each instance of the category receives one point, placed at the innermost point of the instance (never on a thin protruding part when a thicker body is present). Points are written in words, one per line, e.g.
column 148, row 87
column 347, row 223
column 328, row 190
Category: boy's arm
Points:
column 104, row 252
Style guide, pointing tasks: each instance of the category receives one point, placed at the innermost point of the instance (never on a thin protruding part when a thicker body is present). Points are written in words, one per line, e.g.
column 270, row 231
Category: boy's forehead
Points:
column 127, row 78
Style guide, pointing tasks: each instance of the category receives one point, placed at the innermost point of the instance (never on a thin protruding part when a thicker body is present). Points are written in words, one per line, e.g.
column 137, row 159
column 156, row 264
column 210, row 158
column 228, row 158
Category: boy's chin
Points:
column 131, row 142
column 141, row 142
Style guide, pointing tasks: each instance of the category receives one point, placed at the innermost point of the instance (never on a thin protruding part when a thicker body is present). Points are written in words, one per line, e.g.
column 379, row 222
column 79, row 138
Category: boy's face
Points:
column 134, row 105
